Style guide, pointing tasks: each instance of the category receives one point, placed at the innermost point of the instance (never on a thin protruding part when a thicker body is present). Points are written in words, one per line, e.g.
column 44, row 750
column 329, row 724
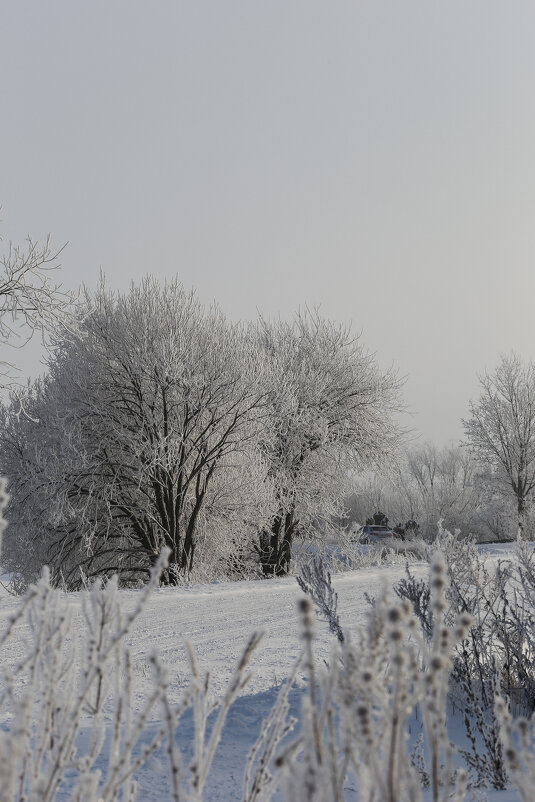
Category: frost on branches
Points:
column 501, row 432
column 330, row 411
column 31, row 300
column 141, row 413
column 162, row 424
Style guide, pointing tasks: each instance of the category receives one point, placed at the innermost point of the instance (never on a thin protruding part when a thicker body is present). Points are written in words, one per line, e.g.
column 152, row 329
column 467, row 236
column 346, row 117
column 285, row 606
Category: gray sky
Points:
column 373, row 158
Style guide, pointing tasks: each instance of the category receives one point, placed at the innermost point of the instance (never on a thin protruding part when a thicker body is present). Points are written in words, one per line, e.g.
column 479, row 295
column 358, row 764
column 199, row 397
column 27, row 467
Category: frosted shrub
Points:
column 348, row 556
column 70, row 730
column 494, row 652
column 315, row 580
column 485, row 757
column 518, row 738
column 48, row 700
column 356, row 715
column 497, row 656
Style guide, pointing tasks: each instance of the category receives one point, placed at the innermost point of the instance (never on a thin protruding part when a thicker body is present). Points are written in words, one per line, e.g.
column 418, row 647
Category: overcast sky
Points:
column 374, row 158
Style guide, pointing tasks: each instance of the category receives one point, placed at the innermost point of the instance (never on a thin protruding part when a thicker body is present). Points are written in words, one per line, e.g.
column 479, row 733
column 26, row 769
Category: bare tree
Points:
column 444, row 485
column 501, row 429
column 31, row 300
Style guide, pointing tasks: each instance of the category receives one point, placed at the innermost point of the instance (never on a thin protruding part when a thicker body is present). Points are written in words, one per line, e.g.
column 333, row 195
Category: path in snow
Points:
column 218, row 619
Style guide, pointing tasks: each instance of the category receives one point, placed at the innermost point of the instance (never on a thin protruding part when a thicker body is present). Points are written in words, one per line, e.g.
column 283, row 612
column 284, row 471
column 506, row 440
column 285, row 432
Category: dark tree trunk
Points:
column 276, row 545
column 521, row 507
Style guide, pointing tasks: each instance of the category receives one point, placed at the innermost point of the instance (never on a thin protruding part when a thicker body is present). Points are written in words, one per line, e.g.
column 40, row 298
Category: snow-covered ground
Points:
column 217, row 620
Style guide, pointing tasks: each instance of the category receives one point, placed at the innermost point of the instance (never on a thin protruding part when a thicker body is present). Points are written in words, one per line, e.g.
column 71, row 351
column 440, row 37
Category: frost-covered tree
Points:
column 501, row 429
column 443, row 484
column 142, row 429
column 330, row 413
column 429, row 484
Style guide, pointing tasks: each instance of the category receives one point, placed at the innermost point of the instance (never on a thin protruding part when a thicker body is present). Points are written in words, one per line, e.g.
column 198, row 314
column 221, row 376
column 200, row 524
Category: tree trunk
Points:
column 521, row 507
column 276, row 545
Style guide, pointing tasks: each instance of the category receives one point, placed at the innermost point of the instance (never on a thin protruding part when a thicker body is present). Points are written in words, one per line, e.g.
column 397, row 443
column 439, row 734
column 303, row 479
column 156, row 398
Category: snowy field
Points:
column 216, row 620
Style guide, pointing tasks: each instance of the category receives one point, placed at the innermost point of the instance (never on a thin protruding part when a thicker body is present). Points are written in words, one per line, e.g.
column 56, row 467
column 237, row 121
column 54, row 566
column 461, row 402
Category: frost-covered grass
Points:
column 152, row 702
column 346, row 554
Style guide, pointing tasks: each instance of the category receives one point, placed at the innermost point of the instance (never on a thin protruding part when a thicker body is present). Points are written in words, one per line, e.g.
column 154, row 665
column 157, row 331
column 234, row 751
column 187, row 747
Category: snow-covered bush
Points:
column 497, row 656
column 350, row 556
column 494, row 661
column 357, row 711
column 518, row 738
